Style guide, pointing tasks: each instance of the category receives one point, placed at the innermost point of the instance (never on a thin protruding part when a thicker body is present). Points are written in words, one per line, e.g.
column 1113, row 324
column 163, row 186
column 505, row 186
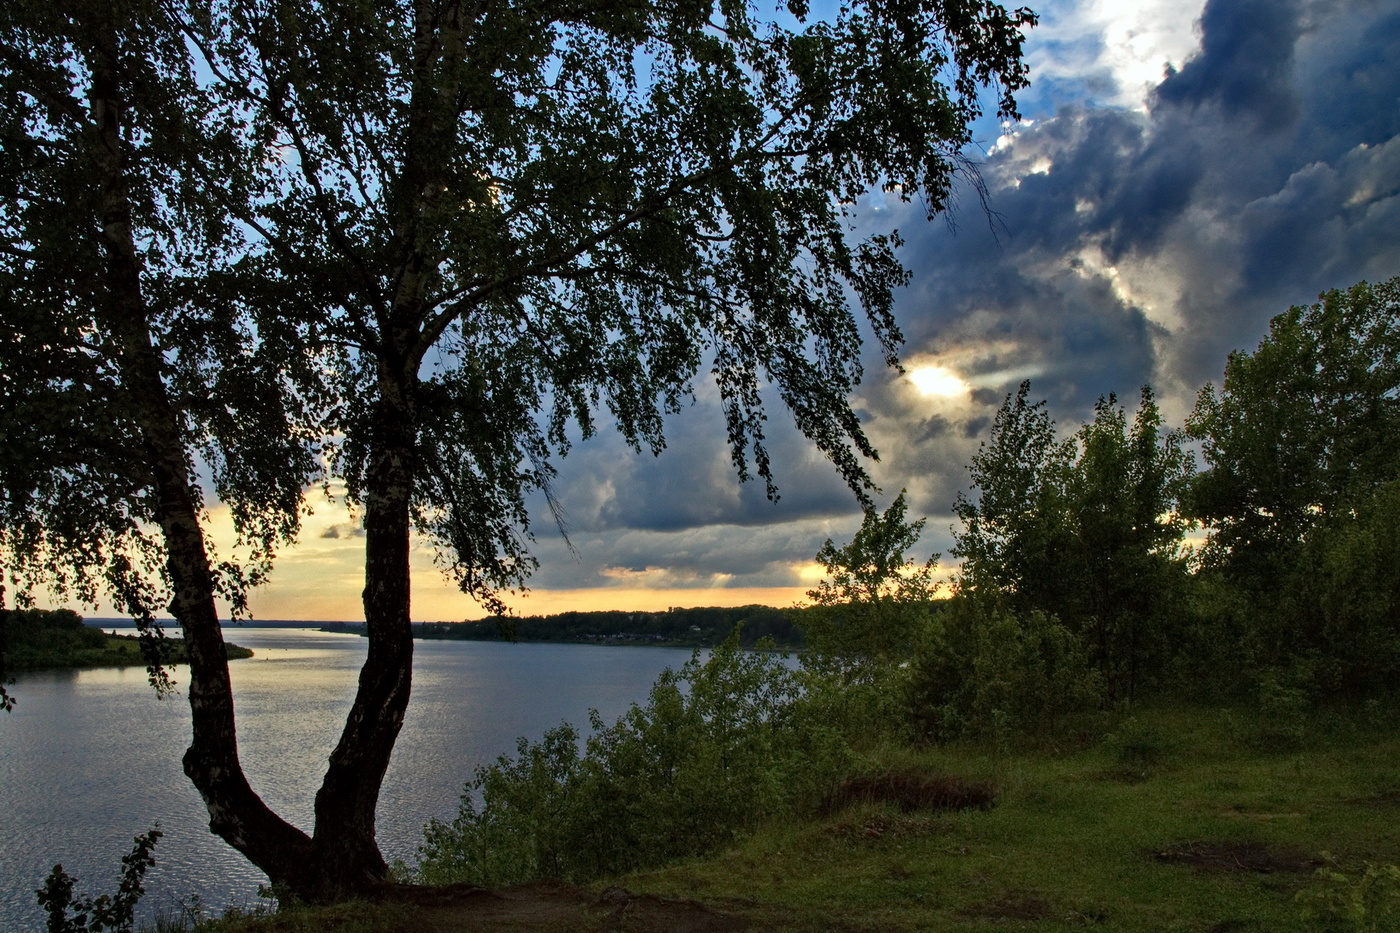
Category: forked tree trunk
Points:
column 341, row 858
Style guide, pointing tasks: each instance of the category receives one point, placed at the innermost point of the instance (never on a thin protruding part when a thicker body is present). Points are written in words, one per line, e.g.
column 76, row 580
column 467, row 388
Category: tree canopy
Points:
column 124, row 356
column 447, row 239
column 1304, row 427
column 1302, row 454
column 1086, row 529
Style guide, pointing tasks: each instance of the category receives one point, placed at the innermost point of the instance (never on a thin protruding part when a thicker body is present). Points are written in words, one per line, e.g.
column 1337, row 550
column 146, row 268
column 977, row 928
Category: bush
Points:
column 114, row 913
column 992, row 671
column 1368, row 903
column 718, row 747
column 1284, row 707
column 1138, row 748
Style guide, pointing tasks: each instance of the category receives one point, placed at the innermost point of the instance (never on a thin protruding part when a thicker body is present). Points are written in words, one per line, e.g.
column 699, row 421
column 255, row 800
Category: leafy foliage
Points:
column 1365, row 903
column 114, row 913
column 510, row 220
column 874, row 603
column 992, row 671
column 867, row 619
column 718, row 747
column 1086, row 530
column 123, row 355
column 1302, row 447
column 1348, row 598
column 58, row 638
column 1304, row 426
column 1011, row 530
column 452, row 238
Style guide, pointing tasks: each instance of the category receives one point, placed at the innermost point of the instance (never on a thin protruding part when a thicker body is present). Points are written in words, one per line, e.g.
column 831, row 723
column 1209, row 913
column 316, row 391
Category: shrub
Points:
column 106, row 912
column 993, row 671
column 718, row 747
column 1138, row 748
column 1368, row 903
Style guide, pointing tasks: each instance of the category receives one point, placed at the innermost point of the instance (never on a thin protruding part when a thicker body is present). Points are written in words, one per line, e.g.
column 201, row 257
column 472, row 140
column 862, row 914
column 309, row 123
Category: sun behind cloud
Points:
column 938, row 381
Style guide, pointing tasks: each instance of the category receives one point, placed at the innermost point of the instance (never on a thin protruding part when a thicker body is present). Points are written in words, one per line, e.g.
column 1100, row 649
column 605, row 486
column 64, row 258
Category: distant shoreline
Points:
column 43, row 640
column 125, row 623
column 695, row 627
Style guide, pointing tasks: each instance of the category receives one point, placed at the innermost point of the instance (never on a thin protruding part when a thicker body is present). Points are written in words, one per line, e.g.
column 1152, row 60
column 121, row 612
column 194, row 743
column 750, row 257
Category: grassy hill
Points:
column 1173, row 818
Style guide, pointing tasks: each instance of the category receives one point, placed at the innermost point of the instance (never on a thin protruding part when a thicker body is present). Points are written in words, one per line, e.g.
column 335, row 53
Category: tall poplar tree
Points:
column 491, row 225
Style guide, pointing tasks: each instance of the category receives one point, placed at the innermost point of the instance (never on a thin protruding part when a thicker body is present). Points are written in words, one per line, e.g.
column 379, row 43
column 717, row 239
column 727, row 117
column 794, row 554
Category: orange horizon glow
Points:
column 444, row 603
column 320, row 579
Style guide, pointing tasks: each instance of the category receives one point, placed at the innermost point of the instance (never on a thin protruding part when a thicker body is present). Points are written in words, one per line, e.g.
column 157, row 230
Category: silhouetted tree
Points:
column 479, row 227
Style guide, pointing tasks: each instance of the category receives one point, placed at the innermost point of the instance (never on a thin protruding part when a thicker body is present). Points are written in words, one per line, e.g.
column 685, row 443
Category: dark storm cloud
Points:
column 1145, row 246
column 717, row 556
column 683, row 519
column 1246, row 63
column 692, row 483
column 1124, row 247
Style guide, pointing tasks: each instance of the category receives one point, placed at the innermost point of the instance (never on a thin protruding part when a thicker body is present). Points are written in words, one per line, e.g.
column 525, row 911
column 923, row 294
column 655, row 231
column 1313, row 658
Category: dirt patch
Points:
column 911, row 791
column 1013, row 905
column 557, row 907
column 1237, row 857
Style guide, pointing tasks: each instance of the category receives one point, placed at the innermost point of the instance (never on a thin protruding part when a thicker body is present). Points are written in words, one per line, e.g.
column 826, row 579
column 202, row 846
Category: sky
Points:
column 1184, row 171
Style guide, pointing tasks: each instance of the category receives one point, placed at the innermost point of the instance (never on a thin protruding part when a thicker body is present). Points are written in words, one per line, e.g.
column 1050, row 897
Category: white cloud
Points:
column 1117, row 48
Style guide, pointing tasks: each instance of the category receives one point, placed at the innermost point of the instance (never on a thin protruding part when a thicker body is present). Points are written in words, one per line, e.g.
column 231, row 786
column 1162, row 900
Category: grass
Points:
column 1085, row 832
column 1174, row 819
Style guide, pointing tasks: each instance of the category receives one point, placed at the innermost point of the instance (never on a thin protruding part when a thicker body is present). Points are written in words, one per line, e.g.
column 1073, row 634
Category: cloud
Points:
column 1106, row 52
column 1145, row 245
column 1150, row 220
column 1191, row 170
column 1245, row 66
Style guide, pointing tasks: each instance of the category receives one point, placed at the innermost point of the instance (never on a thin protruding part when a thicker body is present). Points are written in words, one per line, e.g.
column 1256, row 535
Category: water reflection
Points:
column 88, row 759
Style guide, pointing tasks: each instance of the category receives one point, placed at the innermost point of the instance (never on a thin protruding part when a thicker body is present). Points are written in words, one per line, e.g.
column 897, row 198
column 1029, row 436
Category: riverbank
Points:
column 36, row 640
column 1171, row 818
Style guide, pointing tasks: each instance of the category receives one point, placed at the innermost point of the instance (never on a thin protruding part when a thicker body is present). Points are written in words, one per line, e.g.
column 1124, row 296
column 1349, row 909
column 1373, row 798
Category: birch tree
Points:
column 494, row 226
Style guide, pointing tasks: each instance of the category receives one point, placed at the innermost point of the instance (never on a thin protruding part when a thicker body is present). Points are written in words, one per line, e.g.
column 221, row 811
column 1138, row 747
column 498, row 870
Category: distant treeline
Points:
column 37, row 639
column 697, row 627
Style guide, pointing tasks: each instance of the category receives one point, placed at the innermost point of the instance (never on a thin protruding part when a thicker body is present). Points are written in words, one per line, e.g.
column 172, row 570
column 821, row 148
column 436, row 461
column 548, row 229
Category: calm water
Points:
column 89, row 759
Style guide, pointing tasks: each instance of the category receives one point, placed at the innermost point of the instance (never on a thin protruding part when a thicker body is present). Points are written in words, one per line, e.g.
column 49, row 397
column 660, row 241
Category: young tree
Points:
column 1127, row 570
column 1302, row 448
column 1085, row 529
column 875, row 604
column 870, row 616
column 1013, row 527
column 497, row 221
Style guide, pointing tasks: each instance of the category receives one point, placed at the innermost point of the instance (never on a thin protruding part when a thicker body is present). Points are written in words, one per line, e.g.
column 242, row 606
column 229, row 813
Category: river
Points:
column 89, row 759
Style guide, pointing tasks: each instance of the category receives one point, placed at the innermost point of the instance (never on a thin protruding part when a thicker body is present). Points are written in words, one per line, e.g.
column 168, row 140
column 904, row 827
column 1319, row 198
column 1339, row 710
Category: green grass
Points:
column 1079, row 834
column 1175, row 818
